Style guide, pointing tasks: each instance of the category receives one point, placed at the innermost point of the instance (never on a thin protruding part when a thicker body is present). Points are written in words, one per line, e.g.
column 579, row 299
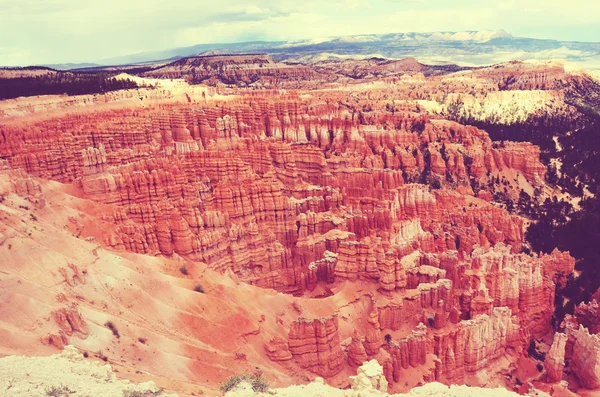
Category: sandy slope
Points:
column 167, row 332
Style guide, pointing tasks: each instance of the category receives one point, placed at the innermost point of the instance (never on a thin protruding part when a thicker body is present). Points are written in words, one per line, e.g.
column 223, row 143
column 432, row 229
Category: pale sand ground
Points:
column 34, row 376
column 22, row 376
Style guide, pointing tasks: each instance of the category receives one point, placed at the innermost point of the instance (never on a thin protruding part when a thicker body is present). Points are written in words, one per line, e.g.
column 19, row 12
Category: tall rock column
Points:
column 555, row 359
column 373, row 338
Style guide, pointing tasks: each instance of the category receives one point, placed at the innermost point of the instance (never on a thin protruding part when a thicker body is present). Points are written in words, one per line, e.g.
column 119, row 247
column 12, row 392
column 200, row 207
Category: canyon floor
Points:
column 297, row 221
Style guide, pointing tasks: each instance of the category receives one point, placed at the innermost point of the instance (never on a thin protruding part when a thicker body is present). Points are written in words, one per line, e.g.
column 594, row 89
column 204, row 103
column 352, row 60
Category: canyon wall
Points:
column 382, row 218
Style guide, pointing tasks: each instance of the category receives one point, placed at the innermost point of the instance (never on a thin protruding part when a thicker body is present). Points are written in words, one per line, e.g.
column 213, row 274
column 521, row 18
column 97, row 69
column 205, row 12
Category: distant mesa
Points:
column 473, row 48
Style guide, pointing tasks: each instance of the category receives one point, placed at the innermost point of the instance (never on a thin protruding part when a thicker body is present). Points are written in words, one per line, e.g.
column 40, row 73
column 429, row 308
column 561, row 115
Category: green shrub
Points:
column 113, row 328
column 101, row 356
column 259, row 384
column 230, row 383
column 58, row 391
column 147, row 393
column 184, row 270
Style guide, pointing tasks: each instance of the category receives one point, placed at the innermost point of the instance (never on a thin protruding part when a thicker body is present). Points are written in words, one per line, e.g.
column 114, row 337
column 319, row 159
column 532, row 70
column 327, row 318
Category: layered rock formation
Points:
column 251, row 173
column 315, row 345
column 230, row 69
column 555, row 359
column 578, row 347
column 377, row 220
column 586, row 358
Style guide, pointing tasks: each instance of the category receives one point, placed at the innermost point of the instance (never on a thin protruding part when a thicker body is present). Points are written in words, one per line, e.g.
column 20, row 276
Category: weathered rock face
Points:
column 555, row 359
column 230, row 69
column 586, row 358
column 382, row 212
column 588, row 315
column 411, row 351
column 356, row 351
column 474, row 344
column 460, row 351
column 315, row 345
column 70, row 322
column 526, row 76
column 277, row 349
column 369, row 376
column 269, row 184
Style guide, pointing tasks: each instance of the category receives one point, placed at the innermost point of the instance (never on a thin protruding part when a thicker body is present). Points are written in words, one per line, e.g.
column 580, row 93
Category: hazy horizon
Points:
column 70, row 31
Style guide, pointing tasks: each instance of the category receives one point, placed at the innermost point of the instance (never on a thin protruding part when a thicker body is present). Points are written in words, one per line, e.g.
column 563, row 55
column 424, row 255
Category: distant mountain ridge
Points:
column 244, row 47
column 466, row 48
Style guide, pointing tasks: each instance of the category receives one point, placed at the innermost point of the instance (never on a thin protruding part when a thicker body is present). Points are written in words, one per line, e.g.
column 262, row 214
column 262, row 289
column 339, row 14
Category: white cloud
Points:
column 56, row 31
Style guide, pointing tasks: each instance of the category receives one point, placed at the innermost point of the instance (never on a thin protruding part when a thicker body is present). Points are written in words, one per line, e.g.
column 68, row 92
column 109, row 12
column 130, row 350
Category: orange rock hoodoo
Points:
column 307, row 196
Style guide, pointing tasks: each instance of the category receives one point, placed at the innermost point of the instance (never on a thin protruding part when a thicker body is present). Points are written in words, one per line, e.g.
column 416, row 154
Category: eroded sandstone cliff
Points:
column 319, row 228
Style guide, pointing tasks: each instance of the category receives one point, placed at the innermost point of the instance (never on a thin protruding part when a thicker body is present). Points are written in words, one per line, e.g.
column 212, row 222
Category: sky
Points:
column 73, row 31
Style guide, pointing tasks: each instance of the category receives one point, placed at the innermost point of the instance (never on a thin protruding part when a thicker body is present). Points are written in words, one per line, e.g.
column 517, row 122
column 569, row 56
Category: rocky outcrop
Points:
column 70, row 322
column 555, row 359
column 301, row 171
column 356, row 351
column 409, row 352
column 586, row 358
column 374, row 209
column 373, row 338
column 66, row 373
column 369, row 376
column 315, row 345
column 588, row 315
column 474, row 344
column 513, row 281
column 526, row 76
column 277, row 349
column 26, row 186
column 229, row 69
